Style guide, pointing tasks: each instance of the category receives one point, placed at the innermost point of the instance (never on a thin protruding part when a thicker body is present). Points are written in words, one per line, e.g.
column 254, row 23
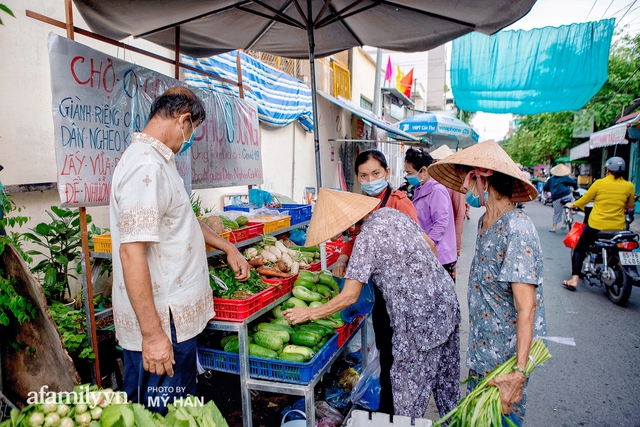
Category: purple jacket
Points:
column 435, row 215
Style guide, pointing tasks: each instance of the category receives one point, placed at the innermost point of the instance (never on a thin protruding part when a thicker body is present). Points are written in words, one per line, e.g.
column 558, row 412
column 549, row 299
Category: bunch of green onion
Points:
column 483, row 407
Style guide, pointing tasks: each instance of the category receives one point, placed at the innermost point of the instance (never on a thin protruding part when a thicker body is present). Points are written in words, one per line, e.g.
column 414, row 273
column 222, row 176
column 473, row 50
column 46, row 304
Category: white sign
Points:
column 610, row 136
column 99, row 101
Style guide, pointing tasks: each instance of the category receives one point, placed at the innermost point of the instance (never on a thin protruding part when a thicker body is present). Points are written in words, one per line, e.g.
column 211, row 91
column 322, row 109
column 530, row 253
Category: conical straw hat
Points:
column 560, row 170
column 335, row 211
column 451, row 171
column 441, row 152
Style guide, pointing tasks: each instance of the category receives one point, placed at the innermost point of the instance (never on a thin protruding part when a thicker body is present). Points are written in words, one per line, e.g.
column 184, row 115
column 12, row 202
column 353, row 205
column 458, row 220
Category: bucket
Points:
column 294, row 423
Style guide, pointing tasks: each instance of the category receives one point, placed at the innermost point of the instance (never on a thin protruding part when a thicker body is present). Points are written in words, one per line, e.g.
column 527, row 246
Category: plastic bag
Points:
column 338, row 398
column 298, row 236
column 325, row 412
column 366, row 392
column 572, row 237
column 361, row 307
column 258, row 197
column 292, row 411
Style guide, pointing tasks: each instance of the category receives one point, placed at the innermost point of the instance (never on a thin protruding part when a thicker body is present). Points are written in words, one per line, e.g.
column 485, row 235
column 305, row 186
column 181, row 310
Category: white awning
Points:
column 579, row 152
column 616, row 134
column 369, row 117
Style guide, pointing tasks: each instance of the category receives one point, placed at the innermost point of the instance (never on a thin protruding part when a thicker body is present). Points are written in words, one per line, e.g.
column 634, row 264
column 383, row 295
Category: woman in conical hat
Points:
column 560, row 185
column 419, row 294
column 505, row 282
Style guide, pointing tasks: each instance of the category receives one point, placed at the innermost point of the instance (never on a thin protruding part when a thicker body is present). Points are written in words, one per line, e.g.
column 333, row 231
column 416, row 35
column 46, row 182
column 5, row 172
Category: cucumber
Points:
column 273, row 327
column 324, row 290
column 331, row 322
column 314, row 304
column 227, row 339
column 232, row 347
column 305, row 351
column 316, row 329
column 280, row 321
column 305, row 294
column 277, row 311
column 259, row 351
column 304, row 248
column 306, row 274
column 305, row 338
column 292, row 357
column 329, row 331
column 283, row 335
column 305, row 282
column 268, row 340
column 294, row 302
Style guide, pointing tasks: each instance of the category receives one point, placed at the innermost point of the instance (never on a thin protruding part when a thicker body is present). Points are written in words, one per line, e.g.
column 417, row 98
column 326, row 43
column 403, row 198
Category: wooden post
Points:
column 177, row 52
column 88, row 293
column 86, row 261
column 68, row 11
column 239, row 69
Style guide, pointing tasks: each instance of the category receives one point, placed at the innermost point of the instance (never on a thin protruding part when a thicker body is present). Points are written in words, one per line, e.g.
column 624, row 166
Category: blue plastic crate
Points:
column 298, row 213
column 236, row 208
column 270, row 369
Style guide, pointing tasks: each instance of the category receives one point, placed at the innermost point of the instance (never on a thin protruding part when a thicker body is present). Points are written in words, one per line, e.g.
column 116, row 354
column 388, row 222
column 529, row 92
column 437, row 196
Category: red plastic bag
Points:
column 571, row 240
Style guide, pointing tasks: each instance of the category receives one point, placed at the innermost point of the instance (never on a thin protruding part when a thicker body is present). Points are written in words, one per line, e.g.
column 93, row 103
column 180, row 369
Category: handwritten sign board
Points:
column 99, row 101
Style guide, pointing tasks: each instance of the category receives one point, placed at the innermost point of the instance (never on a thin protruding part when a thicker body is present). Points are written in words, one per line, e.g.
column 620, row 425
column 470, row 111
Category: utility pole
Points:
column 376, row 93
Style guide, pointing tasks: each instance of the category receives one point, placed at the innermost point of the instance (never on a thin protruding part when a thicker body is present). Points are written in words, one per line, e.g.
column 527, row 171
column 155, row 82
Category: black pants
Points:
column 384, row 333
column 587, row 238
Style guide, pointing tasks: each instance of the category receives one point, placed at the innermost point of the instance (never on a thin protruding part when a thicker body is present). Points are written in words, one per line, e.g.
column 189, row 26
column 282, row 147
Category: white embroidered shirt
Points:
column 150, row 204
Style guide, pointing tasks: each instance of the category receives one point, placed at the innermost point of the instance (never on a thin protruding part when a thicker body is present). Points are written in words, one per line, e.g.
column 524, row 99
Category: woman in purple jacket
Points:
column 433, row 205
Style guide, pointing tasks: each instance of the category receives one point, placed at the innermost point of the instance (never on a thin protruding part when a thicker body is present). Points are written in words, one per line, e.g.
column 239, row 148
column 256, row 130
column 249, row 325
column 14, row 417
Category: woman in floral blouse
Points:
column 506, row 308
column 419, row 295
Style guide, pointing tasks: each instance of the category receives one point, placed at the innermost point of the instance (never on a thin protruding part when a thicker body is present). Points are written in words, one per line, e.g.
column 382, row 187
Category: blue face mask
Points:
column 187, row 144
column 374, row 188
column 474, row 201
column 413, row 180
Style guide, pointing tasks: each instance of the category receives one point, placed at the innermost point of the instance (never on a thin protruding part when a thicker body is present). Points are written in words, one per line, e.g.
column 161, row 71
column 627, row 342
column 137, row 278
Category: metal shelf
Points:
column 104, row 313
column 242, row 244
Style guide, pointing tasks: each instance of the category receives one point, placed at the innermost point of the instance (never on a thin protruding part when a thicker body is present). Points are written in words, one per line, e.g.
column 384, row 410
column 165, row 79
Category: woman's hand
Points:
column 510, row 386
column 298, row 315
column 569, row 205
column 340, row 267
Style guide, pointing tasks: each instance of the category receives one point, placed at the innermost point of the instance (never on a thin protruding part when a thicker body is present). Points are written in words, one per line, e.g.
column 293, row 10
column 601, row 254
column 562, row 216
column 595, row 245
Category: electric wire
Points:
column 605, row 12
column 590, row 10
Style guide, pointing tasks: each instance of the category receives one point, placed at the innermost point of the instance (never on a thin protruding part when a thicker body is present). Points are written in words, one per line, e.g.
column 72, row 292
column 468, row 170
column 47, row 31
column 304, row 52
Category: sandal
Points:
column 566, row 284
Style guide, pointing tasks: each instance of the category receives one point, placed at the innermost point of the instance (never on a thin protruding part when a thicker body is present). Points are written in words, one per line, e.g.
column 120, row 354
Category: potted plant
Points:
column 61, row 244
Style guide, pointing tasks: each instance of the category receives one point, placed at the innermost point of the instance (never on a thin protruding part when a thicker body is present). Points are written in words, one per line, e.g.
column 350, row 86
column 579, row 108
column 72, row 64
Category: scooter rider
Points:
column 612, row 195
column 560, row 185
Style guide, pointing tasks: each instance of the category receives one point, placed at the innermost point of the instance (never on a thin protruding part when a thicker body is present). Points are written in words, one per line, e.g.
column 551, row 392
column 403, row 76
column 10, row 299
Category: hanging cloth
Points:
column 543, row 70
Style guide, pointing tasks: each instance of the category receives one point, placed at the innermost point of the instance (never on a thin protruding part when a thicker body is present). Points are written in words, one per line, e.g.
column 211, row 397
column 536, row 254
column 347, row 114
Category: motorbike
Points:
column 545, row 197
column 612, row 263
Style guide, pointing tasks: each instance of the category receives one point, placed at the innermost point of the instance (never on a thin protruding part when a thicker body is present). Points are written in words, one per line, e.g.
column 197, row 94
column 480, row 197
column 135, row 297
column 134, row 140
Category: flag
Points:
column 407, row 84
column 388, row 72
column 399, row 76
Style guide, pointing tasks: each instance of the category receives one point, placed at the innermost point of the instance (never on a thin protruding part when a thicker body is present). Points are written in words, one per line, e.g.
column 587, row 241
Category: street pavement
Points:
column 595, row 383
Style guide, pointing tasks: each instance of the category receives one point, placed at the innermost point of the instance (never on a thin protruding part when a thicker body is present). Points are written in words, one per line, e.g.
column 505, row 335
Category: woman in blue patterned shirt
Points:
column 506, row 307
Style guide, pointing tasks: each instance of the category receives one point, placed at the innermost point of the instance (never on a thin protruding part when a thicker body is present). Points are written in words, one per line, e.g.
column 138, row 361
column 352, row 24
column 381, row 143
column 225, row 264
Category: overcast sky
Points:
column 555, row 13
column 544, row 13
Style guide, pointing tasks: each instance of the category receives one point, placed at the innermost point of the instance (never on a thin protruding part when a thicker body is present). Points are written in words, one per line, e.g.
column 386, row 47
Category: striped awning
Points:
column 281, row 98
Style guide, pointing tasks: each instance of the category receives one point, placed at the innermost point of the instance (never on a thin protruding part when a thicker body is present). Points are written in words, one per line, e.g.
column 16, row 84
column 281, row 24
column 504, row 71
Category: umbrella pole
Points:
column 314, row 100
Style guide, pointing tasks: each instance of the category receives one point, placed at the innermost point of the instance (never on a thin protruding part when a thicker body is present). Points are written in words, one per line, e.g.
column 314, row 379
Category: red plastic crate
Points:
column 314, row 266
column 254, row 229
column 282, row 286
column 347, row 330
column 238, row 310
column 332, row 258
column 238, row 235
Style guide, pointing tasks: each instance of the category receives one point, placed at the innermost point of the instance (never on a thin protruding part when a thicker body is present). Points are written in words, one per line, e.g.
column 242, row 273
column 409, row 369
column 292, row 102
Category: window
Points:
column 366, row 103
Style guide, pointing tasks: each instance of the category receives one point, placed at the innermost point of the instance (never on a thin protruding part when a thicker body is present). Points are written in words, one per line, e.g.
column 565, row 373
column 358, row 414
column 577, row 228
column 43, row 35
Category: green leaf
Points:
column 7, row 10
column 42, row 229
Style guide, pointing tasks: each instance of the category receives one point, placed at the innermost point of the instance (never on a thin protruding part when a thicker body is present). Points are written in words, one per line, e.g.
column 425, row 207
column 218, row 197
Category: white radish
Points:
column 268, row 256
column 302, row 263
column 287, row 260
column 275, row 251
column 281, row 246
column 295, row 268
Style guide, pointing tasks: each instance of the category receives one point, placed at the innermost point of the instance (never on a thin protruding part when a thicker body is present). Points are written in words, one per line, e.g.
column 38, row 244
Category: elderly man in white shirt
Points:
column 161, row 294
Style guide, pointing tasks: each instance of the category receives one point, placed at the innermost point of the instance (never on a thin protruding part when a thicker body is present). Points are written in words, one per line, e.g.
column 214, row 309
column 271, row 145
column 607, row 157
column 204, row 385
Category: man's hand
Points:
column 510, row 386
column 239, row 265
column 157, row 354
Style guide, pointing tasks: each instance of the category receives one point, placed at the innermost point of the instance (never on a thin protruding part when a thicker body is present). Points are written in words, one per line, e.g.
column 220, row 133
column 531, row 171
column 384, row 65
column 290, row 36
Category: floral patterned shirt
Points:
column 420, row 295
column 506, row 252
column 150, row 204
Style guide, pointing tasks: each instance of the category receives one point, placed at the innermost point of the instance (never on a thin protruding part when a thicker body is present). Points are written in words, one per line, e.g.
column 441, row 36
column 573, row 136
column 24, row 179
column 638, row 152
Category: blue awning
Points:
column 281, row 98
column 544, row 70
column 369, row 117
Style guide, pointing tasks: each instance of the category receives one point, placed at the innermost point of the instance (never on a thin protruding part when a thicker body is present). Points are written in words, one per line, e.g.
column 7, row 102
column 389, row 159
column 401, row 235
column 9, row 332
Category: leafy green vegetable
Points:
column 235, row 289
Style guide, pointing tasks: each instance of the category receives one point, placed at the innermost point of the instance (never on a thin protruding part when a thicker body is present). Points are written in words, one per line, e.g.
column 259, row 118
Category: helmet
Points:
column 615, row 164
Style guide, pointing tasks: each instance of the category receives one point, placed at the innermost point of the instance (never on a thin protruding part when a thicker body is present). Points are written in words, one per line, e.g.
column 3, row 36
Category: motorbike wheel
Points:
column 620, row 291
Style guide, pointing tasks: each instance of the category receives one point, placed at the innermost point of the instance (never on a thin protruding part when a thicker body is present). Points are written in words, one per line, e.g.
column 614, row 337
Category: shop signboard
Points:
column 100, row 100
column 611, row 136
